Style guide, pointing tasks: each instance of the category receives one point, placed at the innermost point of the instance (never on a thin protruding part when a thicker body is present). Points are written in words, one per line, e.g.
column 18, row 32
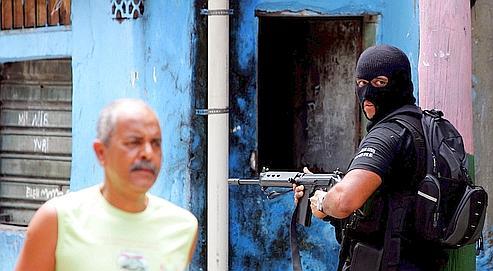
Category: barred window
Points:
column 20, row 14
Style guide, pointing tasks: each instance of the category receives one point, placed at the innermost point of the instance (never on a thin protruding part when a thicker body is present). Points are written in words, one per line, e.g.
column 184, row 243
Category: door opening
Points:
column 308, row 114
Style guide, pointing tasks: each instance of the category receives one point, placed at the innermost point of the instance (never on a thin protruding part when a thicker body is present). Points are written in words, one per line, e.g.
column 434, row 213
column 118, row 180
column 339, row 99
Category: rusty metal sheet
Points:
column 41, row 13
column 18, row 13
column 7, row 18
column 35, row 93
column 65, row 12
column 17, row 213
column 53, row 13
column 38, row 71
column 31, row 191
column 29, row 13
column 36, row 118
column 35, row 135
column 36, row 144
column 32, row 167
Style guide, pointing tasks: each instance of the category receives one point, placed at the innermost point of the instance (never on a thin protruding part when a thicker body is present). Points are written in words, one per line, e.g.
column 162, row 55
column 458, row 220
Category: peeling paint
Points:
column 11, row 240
column 134, row 76
column 442, row 54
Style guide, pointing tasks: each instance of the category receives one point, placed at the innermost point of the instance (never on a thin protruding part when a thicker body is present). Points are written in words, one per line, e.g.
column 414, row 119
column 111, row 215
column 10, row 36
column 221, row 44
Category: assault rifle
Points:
column 311, row 182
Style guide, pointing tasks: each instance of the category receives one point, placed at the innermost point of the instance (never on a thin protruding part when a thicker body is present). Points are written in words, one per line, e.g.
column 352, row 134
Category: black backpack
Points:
column 449, row 209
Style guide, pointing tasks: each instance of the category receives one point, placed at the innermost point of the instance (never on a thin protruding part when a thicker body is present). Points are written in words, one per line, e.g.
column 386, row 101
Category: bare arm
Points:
column 38, row 252
column 351, row 193
column 192, row 249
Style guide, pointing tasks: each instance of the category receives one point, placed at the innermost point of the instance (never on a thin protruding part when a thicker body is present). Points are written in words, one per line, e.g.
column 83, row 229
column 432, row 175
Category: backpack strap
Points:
column 390, row 259
column 420, row 142
column 397, row 205
column 428, row 120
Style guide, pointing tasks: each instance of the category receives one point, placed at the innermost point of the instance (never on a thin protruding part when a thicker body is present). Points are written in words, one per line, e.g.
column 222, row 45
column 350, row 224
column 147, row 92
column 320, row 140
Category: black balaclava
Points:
column 391, row 62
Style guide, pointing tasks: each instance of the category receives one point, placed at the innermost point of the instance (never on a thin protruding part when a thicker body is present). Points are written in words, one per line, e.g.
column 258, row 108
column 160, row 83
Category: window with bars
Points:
column 20, row 14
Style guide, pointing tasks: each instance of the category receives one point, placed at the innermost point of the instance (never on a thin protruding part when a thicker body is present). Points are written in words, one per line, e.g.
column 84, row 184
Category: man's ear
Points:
column 99, row 150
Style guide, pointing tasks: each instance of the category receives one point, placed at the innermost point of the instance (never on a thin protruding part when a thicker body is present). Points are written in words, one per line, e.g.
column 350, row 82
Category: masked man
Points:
column 373, row 198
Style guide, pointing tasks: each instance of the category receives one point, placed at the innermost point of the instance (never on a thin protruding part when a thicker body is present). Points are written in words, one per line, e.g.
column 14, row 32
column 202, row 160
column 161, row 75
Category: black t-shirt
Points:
column 389, row 151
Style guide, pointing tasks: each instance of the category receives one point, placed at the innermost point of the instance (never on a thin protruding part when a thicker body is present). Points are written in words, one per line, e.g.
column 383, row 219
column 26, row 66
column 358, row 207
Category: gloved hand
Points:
column 316, row 204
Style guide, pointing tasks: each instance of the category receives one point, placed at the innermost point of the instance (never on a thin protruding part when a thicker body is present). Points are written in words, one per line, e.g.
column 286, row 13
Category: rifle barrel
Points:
column 243, row 181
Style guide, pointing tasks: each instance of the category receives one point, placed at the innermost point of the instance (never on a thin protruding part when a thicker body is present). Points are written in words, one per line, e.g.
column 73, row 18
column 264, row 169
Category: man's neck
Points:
column 128, row 202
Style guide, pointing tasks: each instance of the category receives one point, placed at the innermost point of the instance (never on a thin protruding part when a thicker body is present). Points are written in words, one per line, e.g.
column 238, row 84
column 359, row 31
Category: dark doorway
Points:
column 307, row 110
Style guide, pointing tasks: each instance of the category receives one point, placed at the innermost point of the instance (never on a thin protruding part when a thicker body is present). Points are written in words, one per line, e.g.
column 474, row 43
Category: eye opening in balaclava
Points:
column 388, row 61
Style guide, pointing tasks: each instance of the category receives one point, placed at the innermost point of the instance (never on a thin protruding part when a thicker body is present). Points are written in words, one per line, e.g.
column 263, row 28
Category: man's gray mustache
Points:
column 144, row 165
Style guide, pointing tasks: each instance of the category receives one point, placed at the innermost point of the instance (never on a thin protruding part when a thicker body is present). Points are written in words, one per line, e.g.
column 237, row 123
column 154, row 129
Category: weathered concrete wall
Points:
column 482, row 98
column 150, row 58
column 53, row 42
column 11, row 239
column 259, row 238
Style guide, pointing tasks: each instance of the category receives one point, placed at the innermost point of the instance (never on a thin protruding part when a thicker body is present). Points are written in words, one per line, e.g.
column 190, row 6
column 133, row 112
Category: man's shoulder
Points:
column 73, row 198
column 399, row 121
column 408, row 113
column 388, row 131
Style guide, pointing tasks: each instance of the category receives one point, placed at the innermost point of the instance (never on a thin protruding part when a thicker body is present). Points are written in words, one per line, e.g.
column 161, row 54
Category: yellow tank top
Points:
column 94, row 235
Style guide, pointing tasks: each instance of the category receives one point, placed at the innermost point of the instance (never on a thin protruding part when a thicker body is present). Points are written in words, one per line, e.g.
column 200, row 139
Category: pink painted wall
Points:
column 444, row 72
column 445, row 62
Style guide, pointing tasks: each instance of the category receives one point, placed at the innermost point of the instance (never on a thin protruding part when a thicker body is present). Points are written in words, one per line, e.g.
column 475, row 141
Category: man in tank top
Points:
column 115, row 225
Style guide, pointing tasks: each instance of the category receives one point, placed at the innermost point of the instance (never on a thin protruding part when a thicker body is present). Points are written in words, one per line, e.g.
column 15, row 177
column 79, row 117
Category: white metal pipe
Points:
column 217, row 138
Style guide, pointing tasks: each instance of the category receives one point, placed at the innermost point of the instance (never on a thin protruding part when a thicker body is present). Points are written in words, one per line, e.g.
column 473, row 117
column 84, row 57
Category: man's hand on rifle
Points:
column 298, row 190
column 315, row 200
column 298, row 193
column 316, row 204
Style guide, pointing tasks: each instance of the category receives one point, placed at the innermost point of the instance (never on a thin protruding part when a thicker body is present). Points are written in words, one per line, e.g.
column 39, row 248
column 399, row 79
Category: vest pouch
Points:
column 365, row 258
column 368, row 220
column 467, row 222
column 427, row 216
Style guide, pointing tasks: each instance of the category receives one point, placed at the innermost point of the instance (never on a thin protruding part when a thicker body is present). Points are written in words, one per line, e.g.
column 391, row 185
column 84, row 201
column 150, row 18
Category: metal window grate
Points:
column 20, row 14
column 127, row 9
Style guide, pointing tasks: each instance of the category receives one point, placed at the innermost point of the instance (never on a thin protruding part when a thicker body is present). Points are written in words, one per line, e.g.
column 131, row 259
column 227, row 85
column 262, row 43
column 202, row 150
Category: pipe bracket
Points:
column 211, row 111
column 216, row 12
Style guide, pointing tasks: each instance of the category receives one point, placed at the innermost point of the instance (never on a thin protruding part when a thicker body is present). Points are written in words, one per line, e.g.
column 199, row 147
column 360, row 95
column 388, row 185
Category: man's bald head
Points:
column 110, row 113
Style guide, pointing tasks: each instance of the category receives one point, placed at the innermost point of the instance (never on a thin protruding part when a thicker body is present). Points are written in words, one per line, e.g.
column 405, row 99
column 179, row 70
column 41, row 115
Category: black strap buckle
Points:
column 433, row 113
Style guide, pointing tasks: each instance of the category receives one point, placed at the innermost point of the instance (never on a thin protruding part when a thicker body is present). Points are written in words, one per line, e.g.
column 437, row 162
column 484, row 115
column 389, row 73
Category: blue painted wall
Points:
column 10, row 244
column 484, row 261
column 162, row 59
column 150, row 58
column 259, row 228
